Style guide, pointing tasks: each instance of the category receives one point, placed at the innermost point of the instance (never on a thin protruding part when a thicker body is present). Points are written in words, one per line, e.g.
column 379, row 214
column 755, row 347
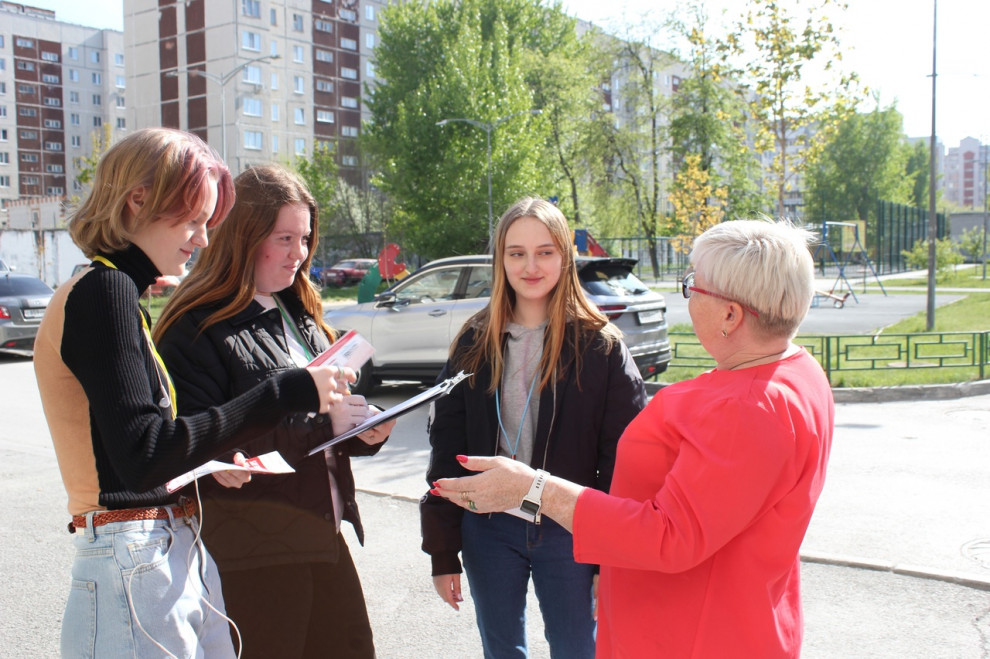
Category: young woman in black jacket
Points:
column 554, row 386
column 246, row 313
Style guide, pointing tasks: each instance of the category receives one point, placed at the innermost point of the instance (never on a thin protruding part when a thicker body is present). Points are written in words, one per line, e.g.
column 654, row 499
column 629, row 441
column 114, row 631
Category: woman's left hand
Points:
column 347, row 413
column 379, row 433
column 232, row 478
column 501, row 485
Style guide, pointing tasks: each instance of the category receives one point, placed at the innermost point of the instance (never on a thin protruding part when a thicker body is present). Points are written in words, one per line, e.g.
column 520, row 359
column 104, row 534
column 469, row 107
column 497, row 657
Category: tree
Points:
column 972, row 243
column 864, row 159
column 787, row 115
column 465, row 60
column 697, row 205
column 917, row 168
column 100, row 140
column 946, row 256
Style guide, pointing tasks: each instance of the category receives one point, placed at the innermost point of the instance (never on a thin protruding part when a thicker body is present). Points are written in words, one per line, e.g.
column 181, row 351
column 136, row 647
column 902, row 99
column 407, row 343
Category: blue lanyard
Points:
column 498, row 412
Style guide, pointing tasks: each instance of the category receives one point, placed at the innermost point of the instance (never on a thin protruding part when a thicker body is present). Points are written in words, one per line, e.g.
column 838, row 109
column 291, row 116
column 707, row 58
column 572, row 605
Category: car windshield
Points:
column 10, row 286
column 611, row 279
column 345, row 264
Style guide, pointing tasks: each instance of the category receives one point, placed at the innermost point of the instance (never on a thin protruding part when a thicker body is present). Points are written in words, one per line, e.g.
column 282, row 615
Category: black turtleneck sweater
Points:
column 101, row 391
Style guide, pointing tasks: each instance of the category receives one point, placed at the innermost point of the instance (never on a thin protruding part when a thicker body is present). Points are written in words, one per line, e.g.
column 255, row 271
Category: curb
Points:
column 969, row 580
column 889, row 394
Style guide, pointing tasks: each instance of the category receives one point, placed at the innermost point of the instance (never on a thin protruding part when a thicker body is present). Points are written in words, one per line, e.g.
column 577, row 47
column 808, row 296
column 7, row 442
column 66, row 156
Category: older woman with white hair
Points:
column 715, row 481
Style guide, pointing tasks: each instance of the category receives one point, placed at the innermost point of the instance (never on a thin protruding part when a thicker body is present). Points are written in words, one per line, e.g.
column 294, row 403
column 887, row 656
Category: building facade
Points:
column 964, row 181
column 260, row 80
column 61, row 87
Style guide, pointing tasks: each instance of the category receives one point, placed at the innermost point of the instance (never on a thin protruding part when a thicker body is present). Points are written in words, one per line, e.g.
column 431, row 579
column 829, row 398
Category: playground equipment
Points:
column 855, row 249
column 586, row 245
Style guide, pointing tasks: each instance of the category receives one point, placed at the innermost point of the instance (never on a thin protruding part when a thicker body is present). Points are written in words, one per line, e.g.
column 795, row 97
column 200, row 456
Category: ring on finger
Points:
column 471, row 505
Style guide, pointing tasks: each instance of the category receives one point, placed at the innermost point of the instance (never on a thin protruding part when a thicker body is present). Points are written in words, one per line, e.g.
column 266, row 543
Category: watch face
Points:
column 529, row 507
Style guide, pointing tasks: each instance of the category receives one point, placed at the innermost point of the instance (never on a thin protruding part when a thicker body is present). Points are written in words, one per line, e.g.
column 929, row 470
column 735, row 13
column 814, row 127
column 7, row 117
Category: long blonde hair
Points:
column 569, row 313
column 225, row 269
column 172, row 166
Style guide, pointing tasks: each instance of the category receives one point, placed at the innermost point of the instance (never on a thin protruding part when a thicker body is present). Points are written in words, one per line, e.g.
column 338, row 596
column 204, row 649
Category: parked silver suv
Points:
column 412, row 324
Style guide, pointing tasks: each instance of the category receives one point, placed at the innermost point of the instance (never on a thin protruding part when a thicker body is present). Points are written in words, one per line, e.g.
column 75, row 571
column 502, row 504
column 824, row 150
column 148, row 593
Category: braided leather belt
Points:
column 185, row 508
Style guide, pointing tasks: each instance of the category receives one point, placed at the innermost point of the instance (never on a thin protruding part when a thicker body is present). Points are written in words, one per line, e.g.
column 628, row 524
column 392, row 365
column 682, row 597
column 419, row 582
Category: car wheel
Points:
column 365, row 381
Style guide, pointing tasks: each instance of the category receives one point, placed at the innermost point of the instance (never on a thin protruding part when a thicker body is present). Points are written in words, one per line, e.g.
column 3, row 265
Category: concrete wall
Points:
column 48, row 254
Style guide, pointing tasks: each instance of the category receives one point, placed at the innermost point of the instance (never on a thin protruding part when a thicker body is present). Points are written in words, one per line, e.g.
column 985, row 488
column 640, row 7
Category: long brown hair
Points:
column 225, row 269
column 172, row 166
column 568, row 310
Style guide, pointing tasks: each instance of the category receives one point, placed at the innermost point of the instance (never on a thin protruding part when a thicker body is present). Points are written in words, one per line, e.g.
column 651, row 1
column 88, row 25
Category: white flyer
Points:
column 268, row 463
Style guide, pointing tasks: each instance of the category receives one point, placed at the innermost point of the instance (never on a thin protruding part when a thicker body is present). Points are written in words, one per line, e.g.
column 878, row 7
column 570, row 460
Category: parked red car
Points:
column 347, row 273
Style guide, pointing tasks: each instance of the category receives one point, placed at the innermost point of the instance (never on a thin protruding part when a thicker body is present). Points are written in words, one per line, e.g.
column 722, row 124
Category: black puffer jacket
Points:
column 577, row 431
column 273, row 519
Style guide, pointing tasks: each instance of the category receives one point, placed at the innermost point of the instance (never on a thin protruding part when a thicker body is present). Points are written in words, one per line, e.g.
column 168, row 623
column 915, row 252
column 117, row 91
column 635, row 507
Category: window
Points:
column 119, row 101
column 29, row 157
column 298, row 84
column 97, row 78
column 252, row 107
column 54, row 169
column 250, row 40
column 121, row 123
column 369, row 69
column 252, row 140
column 97, row 122
column 97, row 99
column 369, row 40
column 322, row 26
column 297, row 54
column 349, row 161
column 251, row 8
column 252, row 74
column 3, row 110
column 349, row 73
column 348, row 44
column 25, row 89
column 348, row 102
column 29, row 134
column 53, row 101
column 324, row 116
column 274, row 111
column 73, row 75
column 274, row 143
column 94, row 56
column 50, row 79
column 324, row 85
column 24, row 43
column 118, row 59
column 369, row 12
column 49, row 57
column 273, row 50
column 119, row 82
column 27, row 112
column 300, row 116
column 273, row 17
column 76, row 140
column 4, row 158
column 274, row 81
column 73, row 52
column 297, row 22
column 3, row 134
column 53, row 146
column 30, row 180
column 323, row 55
column 25, row 66
column 348, row 15
column 73, row 97
column 3, row 64
column 56, row 190
column 300, row 147
column 4, row 181
column 74, row 118
column 53, row 123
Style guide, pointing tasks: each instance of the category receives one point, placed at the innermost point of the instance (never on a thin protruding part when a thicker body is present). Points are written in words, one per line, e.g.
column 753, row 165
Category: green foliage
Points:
column 917, row 172
column 972, row 243
column 319, row 172
column 100, row 140
column 459, row 60
column 947, row 256
column 789, row 117
column 863, row 160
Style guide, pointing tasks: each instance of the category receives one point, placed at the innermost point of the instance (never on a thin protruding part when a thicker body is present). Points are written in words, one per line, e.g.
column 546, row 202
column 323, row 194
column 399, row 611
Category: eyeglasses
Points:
column 688, row 287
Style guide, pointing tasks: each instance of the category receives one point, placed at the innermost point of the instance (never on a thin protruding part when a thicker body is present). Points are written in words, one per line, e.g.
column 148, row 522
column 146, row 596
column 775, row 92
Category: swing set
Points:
column 839, row 293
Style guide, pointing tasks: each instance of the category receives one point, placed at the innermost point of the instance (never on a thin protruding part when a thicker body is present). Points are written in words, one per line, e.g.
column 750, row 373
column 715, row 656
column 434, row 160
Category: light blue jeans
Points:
column 138, row 591
column 501, row 553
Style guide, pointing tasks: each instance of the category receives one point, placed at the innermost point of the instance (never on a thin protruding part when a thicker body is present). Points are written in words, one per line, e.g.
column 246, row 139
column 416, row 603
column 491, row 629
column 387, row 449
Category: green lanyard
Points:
column 154, row 351
column 291, row 324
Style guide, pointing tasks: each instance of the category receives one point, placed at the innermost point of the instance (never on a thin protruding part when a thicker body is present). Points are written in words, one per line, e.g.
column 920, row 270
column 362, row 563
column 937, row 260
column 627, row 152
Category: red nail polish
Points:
column 435, row 492
column 434, row 484
column 462, row 459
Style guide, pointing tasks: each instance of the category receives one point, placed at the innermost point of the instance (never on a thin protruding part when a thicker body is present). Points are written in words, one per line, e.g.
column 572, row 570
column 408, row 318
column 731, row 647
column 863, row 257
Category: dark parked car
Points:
column 23, row 300
column 412, row 324
column 347, row 273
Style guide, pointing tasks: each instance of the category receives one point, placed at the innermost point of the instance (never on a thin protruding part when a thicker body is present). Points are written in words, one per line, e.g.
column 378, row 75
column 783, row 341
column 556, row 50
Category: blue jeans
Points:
column 500, row 553
column 141, row 574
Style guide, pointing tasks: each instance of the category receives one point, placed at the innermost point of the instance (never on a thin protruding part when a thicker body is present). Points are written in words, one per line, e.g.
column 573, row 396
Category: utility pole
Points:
column 932, row 219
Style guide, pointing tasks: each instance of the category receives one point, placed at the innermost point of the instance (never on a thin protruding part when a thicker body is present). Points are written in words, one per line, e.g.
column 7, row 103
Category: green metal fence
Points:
column 965, row 355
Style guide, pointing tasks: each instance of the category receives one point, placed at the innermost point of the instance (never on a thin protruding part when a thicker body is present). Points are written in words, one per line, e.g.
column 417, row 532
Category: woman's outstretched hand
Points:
column 501, row 484
column 331, row 384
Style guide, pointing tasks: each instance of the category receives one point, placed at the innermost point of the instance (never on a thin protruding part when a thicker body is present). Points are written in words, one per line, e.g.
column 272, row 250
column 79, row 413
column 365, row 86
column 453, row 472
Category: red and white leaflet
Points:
column 350, row 350
column 267, row 463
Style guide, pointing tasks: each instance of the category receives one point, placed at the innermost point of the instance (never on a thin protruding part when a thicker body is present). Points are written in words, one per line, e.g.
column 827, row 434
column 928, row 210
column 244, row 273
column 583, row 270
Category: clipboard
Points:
column 428, row 396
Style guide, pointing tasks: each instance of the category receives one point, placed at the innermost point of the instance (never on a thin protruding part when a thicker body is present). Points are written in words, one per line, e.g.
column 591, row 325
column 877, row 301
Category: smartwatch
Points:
column 532, row 502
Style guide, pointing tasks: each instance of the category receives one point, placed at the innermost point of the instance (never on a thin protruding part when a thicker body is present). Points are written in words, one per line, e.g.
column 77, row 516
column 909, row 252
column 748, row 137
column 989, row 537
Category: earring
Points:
column 725, row 334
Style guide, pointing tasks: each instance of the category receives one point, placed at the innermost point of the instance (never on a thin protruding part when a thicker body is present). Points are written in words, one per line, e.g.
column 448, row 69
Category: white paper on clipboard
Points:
column 431, row 394
column 351, row 350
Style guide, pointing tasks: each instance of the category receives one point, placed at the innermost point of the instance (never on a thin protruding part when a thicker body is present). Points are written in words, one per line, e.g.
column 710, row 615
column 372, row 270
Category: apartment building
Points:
column 60, row 84
column 260, row 80
column 965, row 174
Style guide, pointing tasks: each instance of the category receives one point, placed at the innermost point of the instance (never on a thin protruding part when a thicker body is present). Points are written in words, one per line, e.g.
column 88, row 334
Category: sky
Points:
column 887, row 42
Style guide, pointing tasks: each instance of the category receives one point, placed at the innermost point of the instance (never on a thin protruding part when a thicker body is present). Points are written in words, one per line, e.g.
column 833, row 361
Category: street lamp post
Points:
column 488, row 127
column 222, row 80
